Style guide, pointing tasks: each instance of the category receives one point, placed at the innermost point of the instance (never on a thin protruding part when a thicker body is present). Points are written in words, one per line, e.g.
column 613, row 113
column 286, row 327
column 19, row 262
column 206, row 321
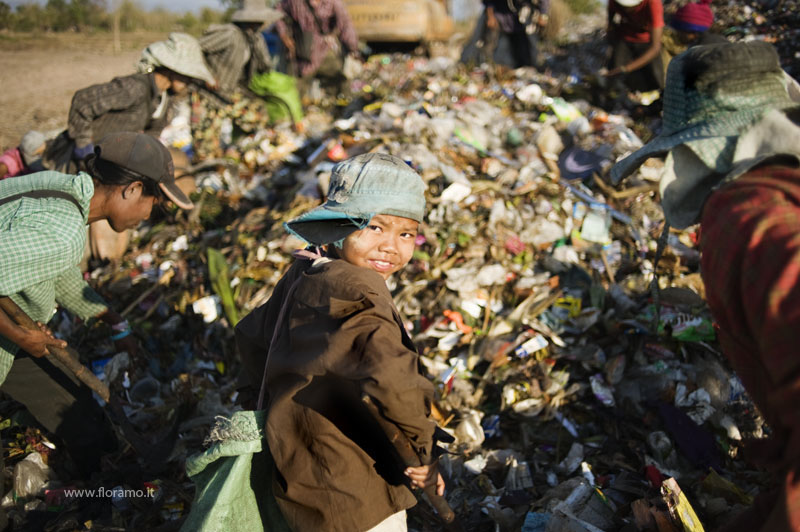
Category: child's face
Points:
column 385, row 245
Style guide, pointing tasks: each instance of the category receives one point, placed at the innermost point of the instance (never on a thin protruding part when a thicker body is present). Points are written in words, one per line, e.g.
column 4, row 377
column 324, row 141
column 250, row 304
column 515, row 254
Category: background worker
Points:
column 25, row 158
column 317, row 35
column 138, row 102
column 634, row 33
column 515, row 24
column 237, row 51
column 732, row 137
column 692, row 24
column 42, row 239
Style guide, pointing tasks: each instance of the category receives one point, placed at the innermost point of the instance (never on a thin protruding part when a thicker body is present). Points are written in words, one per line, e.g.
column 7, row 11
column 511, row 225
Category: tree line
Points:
column 93, row 15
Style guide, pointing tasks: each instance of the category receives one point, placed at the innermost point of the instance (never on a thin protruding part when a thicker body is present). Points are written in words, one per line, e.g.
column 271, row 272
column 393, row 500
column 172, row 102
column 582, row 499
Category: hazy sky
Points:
column 172, row 5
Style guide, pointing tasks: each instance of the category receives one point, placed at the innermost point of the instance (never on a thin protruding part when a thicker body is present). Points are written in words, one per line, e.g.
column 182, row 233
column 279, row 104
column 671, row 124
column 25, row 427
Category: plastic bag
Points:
column 234, row 480
column 280, row 91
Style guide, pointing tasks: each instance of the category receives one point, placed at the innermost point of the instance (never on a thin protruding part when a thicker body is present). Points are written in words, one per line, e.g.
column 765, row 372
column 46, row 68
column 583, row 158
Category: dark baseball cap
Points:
column 146, row 156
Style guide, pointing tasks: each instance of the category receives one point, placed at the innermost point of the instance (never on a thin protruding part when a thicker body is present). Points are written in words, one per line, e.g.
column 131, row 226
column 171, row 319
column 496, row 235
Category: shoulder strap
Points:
column 38, row 194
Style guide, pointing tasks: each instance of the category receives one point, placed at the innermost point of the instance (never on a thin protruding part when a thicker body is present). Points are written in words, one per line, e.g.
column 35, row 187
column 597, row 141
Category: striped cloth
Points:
column 234, row 55
column 336, row 27
column 751, row 269
column 41, row 244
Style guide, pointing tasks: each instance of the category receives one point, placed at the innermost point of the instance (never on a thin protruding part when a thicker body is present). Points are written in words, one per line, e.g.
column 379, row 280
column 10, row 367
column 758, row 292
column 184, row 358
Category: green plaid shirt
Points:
column 41, row 244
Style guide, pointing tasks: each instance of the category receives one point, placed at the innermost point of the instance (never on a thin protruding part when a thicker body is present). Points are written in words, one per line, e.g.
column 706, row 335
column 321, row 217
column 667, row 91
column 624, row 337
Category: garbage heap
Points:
column 773, row 21
column 575, row 361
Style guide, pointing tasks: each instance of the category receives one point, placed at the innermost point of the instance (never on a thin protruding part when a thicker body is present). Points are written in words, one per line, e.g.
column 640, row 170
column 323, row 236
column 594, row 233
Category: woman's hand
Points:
column 36, row 343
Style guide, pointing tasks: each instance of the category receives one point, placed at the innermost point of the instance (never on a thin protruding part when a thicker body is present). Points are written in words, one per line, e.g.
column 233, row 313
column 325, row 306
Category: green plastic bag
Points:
column 234, row 484
column 280, row 92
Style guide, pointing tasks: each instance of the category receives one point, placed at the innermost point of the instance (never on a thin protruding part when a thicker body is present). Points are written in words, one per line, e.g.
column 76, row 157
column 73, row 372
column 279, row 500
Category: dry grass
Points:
column 96, row 42
column 42, row 72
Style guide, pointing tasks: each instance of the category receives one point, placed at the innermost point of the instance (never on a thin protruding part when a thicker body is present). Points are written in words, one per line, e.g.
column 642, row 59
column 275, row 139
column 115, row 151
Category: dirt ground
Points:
column 41, row 73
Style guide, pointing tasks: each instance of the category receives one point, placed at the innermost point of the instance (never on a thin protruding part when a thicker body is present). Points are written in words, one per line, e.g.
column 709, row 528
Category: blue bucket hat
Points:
column 360, row 188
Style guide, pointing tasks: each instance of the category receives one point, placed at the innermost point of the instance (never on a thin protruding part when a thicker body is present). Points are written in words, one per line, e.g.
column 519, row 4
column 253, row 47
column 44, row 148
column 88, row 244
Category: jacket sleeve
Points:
column 97, row 100
column 386, row 368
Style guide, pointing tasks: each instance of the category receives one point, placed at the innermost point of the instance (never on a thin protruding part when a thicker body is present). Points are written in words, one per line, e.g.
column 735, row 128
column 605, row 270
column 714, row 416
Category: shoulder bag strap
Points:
column 37, row 194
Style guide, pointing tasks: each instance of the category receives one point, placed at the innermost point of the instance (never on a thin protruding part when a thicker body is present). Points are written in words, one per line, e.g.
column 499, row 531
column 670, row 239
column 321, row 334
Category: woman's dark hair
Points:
column 112, row 174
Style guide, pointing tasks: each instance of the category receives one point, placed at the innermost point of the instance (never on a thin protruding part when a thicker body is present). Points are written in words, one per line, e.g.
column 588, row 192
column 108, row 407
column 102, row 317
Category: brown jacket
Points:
column 341, row 337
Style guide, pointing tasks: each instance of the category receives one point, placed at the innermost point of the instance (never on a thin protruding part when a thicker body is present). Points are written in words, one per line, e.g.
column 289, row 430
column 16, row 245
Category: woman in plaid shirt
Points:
column 43, row 218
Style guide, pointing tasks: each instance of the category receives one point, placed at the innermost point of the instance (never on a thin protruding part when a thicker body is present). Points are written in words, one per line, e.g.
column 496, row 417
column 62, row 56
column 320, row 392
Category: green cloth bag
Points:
column 280, row 92
column 234, row 484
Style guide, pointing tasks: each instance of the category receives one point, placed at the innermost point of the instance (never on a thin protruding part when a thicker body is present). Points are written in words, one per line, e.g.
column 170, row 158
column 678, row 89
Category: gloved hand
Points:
column 81, row 153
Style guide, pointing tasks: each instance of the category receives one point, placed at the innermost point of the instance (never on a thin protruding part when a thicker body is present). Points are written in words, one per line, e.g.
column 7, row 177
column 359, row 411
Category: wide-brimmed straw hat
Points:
column 181, row 53
column 714, row 93
column 360, row 188
column 256, row 11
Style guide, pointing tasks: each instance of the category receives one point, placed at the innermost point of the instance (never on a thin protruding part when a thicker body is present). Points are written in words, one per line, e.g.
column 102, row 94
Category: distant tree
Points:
column 30, row 17
column 131, row 16
column 6, row 16
column 188, row 23
column 208, row 16
column 57, row 15
column 160, row 19
column 86, row 13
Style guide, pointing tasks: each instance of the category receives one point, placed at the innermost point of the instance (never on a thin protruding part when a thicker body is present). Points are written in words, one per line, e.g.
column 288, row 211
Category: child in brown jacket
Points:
column 339, row 337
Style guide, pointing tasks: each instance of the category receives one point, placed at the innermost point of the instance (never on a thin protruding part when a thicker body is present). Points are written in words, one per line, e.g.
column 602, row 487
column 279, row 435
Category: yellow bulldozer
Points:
column 401, row 21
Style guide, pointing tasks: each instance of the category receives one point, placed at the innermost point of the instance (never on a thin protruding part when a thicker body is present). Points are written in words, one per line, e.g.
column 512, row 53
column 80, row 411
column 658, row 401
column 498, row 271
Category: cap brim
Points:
column 322, row 226
column 658, row 146
column 176, row 195
column 729, row 125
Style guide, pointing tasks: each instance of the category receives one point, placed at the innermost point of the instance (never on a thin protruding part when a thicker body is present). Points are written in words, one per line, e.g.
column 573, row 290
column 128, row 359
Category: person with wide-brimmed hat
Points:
column 235, row 52
column 634, row 33
column 43, row 219
column 731, row 135
column 137, row 102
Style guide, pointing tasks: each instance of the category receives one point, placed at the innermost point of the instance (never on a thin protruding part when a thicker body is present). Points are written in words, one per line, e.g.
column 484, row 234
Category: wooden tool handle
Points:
column 62, row 355
column 411, row 459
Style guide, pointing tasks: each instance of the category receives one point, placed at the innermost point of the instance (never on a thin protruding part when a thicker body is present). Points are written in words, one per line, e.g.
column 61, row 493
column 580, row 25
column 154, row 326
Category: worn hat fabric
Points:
column 147, row 157
column 693, row 17
column 360, row 188
column 30, row 143
column 714, row 93
column 256, row 11
column 181, row 53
